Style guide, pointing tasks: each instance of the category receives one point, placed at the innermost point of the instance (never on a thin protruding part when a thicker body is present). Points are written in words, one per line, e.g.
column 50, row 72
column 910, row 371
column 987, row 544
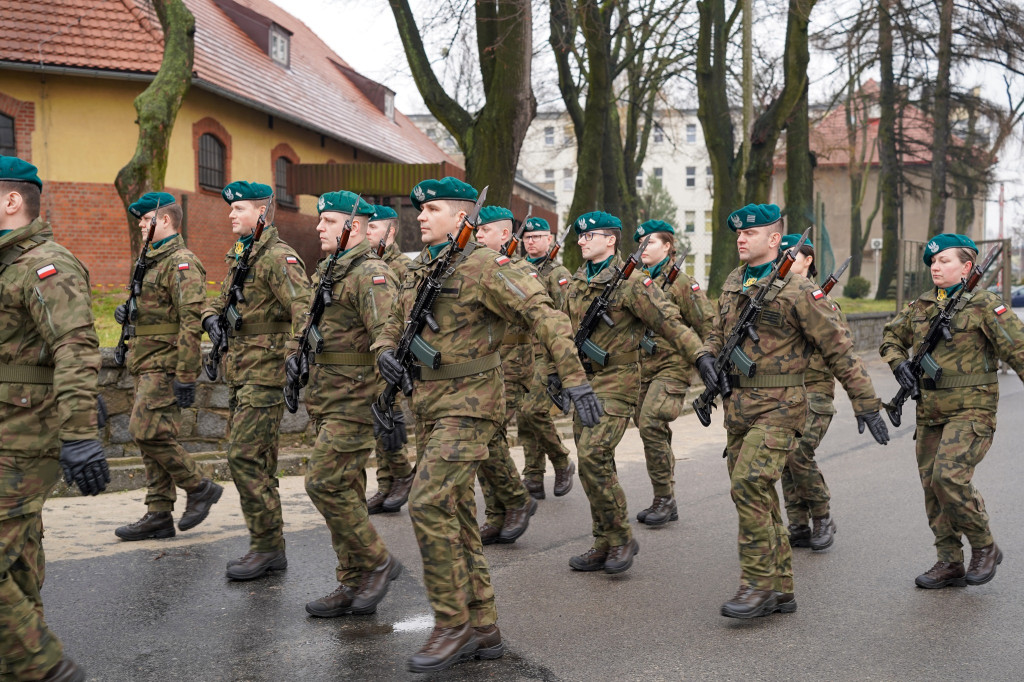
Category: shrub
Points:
column 857, row 287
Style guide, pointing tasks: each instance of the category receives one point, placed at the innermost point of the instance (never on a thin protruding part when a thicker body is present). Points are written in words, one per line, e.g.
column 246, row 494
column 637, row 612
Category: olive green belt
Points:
column 257, row 328
column 767, row 380
column 623, row 359
column 458, row 369
column 25, row 374
column 350, row 359
column 516, row 339
column 153, row 329
column 959, row 381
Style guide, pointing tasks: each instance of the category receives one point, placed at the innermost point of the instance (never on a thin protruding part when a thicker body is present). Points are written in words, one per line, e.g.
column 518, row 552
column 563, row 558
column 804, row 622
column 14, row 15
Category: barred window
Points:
column 281, row 167
column 7, row 145
column 211, row 162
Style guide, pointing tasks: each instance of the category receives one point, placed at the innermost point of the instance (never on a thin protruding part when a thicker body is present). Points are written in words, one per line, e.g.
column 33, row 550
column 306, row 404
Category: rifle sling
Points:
column 516, row 339
column 958, row 381
column 457, row 370
column 25, row 374
column 257, row 328
column 347, row 359
column 14, row 251
column 767, row 380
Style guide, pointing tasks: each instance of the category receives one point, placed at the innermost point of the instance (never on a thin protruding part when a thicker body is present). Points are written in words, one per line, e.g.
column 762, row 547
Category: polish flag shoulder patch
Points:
column 647, row 281
column 183, row 266
column 562, row 281
column 818, row 294
column 502, row 260
column 533, row 274
column 379, row 279
column 695, row 286
column 999, row 309
column 46, row 271
column 291, row 260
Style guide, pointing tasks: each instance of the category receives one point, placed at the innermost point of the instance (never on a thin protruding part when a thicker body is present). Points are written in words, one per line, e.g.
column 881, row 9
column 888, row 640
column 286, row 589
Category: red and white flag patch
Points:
column 695, row 286
column 291, row 260
column 818, row 294
column 533, row 274
column 999, row 309
column 46, row 271
column 183, row 266
column 379, row 279
column 562, row 281
column 647, row 281
column 502, row 260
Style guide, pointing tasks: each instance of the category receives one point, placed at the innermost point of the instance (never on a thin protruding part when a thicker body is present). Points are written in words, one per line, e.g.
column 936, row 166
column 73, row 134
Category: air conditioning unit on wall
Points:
column 876, row 244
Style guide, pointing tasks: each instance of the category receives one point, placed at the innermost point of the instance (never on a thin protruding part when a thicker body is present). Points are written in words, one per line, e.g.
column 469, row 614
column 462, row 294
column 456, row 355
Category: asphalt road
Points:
column 162, row 609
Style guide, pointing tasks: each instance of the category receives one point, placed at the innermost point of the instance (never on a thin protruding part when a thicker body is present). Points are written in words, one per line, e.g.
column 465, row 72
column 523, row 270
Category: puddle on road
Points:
column 414, row 624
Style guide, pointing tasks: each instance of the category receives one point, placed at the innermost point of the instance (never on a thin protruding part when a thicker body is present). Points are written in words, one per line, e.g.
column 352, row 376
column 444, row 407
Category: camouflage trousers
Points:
column 803, row 487
column 253, row 424
column 28, row 650
column 946, row 457
column 392, row 465
column 154, row 424
column 442, row 505
column 595, row 450
column 537, row 432
column 755, row 460
column 500, row 483
column 661, row 403
column 336, row 483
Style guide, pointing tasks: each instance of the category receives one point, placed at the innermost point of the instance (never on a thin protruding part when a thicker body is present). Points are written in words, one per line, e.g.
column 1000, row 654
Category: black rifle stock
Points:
column 648, row 343
column 134, row 290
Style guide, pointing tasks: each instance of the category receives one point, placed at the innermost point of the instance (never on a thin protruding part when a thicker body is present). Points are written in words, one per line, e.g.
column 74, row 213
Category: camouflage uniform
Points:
column 46, row 335
column 763, row 415
column 456, row 418
column 637, row 303
column 392, row 465
column 955, row 425
column 343, row 383
column 276, row 295
column 534, row 420
column 165, row 346
column 803, row 487
column 664, row 379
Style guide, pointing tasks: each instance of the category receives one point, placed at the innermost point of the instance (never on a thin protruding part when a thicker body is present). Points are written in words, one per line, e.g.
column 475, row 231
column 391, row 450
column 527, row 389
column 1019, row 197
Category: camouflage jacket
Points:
column 517, row 345
column 983, row 331
column 173, row 292
column 475, row 305
column 697, row 314
column 555, row 279
column 792, row 325
column 276, row 291
column 817, row 378
column 364, row 290
column 46, row 321
column 396, row 260
column 637, row 304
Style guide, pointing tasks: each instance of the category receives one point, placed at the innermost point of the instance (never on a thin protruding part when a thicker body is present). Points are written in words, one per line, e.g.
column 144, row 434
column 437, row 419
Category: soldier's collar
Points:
column 753, row 273
column 158, row 246
column 534, row 261
column 18, row 234
column 436, row 250
column 655, row 270
column 595, row 269
column 941, row 294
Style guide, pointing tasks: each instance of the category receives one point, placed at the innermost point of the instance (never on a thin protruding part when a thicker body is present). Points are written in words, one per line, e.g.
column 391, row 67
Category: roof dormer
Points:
column 273, row 39
column 379, row 94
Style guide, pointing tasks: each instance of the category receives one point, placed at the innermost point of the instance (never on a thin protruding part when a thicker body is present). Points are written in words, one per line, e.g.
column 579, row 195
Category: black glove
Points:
column 393, row 440
column 905, row 376
column 295, row 368
column 876, row 425
column 393, row 372
column 588, row 407
column 84, row 463
column 554, row 383
column 185, row 394
column 121, row 313
column 101, row 411
column 213, row 328
column 706, row 367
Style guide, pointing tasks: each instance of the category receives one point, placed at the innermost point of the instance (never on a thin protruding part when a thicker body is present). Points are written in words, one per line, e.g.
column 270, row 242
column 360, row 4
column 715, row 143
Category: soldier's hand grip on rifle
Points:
column 905, row 376
column 714, row 381
column 393, row 371
column 212, row 326
column 392, row 440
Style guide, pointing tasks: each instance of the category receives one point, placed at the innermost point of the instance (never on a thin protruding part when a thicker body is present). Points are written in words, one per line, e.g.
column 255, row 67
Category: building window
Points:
column 707, row 267
column 640, row 179
column 549, row 175
column 659, row 134
column 659, row 174
column 691, row 221
column 707, row 171
column 281, row 166
column 709, row 222
column 211, row 162
column 7, row 145
column 691, row 176
column 389, row 105
column 549, row 136
column 688, row 265
column 691, row 133
column 568, row 136
column 279, row 45
column 567, row 183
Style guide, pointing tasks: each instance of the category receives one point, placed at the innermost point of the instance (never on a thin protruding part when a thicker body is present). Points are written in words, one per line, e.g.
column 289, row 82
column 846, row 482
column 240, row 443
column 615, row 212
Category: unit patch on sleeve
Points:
column 695, row 286
column 647, row 281
column 379, row 279
column 291, row 260
column 562, row 281
column 46, row 271
column 999, row 309
column 502, row 260
column 818, row 294
column 183, row 266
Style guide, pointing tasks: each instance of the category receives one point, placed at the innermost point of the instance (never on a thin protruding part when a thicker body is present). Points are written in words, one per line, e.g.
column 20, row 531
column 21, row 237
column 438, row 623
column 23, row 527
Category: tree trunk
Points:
column 940, row 118
column 157, row 108
column 800, row 168
column 888, row 176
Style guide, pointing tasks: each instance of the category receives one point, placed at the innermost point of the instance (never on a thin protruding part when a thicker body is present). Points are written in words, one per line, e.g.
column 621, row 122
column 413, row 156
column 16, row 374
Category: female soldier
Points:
column 664, row 374
column 956, row 415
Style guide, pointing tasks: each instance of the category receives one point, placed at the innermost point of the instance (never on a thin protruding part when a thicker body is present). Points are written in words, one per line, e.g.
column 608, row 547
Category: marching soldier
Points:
column 343, row 383
column 394, row 471
column 534, row 421
column 956, row 414
column 636, row 303
column 276, row 295
column 665, row 375
column 803, row 487
column 764, row 413
column 458, row 409
column 164, row 358
column 507, row 504
column 49, row 362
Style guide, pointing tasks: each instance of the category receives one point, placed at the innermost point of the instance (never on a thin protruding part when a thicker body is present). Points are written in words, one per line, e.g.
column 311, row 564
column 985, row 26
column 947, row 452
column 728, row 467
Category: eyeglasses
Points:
column 589, row 236
column 534, row 237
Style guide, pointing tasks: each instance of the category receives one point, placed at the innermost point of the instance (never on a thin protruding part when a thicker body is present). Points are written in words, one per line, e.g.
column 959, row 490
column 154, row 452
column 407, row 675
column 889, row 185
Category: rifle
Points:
column 383, row 240
column 732, row 356
column 322, row 298
column 648, row 343
column 412, row 346
column 517, row 236
column 229, row 318
column 598, row 312
column 554, row 249
column 833, row 279
column 923, row 362
column 134, row 291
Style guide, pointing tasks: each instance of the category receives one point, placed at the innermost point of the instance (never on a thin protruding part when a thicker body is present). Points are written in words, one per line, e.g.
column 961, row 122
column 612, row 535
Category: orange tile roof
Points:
column 312, row 91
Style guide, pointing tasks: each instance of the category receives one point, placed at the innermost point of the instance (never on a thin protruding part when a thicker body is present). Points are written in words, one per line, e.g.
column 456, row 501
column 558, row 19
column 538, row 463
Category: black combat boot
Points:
column 620, row 557
column 375, row 505
column 256, row 564
column 199, row 502
column 943, row 574
column 824, row 533
column 983, row 564
column 337, row 603
column 564, row 479
column 661, row 511
column 445, row 648
column 158, row 524
column 374, row 586
column 399, row 494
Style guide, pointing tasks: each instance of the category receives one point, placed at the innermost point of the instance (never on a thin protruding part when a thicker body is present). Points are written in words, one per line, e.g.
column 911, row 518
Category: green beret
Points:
column 790, row 240
column 445, row 188
column 941, row 242
column 383, row 213
column 650, row 227
column 244, row 191
column 492, row 214
column 754, row 215
column 342, row 202
column 13, row 168
column 149, row 201
column 596, row 220
column 537, row 225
